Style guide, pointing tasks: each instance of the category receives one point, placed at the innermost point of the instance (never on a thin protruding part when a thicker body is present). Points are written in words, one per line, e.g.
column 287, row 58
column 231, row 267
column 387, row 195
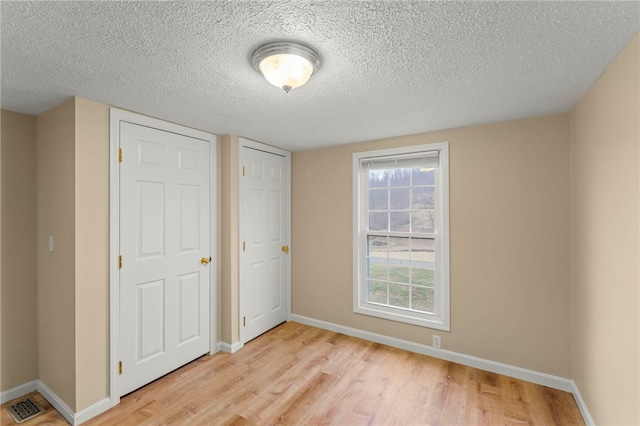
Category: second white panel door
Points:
column 264, row 256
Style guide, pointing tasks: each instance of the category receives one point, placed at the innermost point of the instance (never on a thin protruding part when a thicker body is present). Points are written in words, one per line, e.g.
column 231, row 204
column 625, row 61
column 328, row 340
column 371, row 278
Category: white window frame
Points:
column 440, row 320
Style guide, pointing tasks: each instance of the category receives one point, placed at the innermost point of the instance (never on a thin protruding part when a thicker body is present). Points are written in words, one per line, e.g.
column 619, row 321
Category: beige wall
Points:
column 55, row 182
column 19, row 304
column 92, row 252
column 229, row 239
column 605, row 180
column 219, row 241
column 509, row 221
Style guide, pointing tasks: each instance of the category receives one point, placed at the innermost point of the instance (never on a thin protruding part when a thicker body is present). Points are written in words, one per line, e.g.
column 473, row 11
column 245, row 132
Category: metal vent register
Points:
column 24, row 410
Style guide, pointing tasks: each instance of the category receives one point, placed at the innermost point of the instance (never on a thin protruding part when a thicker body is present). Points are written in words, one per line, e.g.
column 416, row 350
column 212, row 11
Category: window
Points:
column 401, row 234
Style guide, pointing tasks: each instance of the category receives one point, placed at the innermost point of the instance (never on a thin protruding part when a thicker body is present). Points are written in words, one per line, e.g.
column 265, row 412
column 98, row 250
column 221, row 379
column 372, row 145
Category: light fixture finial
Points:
column 286, row 64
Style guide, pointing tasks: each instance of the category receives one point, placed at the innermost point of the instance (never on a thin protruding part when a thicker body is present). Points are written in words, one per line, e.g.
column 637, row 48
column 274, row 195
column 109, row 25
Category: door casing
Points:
column 115, row 117
column 277, row 151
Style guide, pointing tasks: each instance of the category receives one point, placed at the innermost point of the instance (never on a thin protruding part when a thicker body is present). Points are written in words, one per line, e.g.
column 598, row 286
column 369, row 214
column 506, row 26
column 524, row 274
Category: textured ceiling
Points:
column 389, row 67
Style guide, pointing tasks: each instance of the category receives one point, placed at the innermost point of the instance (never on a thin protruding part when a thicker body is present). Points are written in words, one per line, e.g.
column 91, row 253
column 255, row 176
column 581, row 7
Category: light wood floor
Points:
column 301, row 375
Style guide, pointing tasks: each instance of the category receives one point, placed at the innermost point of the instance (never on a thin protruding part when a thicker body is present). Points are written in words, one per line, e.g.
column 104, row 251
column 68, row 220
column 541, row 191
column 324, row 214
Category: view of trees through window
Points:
column 401, row 200
column 400, row 244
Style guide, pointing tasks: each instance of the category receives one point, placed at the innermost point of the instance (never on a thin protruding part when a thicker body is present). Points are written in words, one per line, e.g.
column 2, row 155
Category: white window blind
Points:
column 428, row 159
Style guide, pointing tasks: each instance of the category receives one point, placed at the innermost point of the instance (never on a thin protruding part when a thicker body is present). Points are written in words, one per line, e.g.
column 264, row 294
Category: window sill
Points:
column 402, row 316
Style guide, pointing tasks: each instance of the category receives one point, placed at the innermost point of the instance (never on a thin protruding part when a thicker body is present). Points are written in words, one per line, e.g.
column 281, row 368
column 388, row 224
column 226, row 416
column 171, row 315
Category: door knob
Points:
column 285, row 249
column 205, row 261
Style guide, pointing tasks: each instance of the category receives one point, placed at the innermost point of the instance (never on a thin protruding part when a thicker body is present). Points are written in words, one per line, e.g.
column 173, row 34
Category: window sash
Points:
column 414, row 212
column 401, row 234
column 413, row 273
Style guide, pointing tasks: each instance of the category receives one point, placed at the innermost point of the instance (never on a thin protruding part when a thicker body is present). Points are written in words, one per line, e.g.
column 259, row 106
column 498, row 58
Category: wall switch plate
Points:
column 436, row 342
column 51, row 243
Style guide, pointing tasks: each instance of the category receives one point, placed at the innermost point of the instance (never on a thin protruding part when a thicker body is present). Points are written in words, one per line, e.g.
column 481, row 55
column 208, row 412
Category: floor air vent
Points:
column 25, row 410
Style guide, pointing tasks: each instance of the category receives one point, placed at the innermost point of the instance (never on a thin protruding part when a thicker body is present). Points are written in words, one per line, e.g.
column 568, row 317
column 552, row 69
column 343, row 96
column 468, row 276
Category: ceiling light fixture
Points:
column 286, row 64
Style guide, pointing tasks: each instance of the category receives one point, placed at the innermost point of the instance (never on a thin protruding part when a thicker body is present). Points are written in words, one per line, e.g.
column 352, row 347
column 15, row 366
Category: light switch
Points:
column 50, row 242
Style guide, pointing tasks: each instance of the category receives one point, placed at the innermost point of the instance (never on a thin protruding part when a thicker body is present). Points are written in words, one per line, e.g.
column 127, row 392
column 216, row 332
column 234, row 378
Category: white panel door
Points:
column 164, row 243
column 264, row 255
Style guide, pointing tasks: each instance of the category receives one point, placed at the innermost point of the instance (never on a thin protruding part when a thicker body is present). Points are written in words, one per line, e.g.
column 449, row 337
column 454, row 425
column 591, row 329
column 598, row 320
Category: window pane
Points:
column 377, row 269
column 377, row 258
column 422, row 221
column 422, row 249
column 399, row 177
column 400, row 249
column 378, row 178
column 399, row 295
column 400, row 198
column 378, row 221
column 377, row 246
column 400, row 222
column 377, row 292
column 378, row 199
column 398, row 273
column 422, row 198
column 422, row 276
column 422, row 299
column 399, row 259
column 422, row 178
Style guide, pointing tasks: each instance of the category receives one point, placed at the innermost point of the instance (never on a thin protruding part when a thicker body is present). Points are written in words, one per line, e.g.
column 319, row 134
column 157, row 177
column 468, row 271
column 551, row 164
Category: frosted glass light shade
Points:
column 286, row 71
column 286, row 65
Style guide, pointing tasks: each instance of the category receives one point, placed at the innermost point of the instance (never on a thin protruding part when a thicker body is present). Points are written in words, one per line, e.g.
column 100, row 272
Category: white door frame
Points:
column 246, row 143
column 115, row 117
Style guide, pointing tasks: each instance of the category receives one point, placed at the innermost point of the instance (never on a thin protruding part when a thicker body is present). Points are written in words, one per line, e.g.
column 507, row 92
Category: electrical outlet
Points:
column 51, row 243
column 436, row 342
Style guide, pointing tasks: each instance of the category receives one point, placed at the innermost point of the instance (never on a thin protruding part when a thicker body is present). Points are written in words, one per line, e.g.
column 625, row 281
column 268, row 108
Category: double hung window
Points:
column 401, row 234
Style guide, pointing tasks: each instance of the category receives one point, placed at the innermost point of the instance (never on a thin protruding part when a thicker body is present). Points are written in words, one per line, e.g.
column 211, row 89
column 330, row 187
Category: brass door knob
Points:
column 205, row 261
column 285, row 249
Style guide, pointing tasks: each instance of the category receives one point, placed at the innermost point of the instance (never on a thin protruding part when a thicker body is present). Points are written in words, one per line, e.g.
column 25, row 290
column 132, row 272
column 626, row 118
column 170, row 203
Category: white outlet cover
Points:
column 436, row 342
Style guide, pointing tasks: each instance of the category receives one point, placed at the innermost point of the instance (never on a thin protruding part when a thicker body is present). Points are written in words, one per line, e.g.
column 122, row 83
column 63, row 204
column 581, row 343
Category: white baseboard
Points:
column 57, row 403
column 543, row 379
column 586, row 416
column 92, row 411
column 225, row 347
column 18, row 391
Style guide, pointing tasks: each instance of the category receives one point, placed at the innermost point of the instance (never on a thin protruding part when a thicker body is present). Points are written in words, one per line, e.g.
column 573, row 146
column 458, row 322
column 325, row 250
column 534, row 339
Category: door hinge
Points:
column 244, row 321
column 244, row 247
column 119, row 367
column 120, row 261
column 243, row 170
column 120, row 155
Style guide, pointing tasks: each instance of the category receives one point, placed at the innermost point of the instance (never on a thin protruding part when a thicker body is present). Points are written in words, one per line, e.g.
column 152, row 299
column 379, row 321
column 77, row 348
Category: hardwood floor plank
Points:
column 297, row 407
column 270, row 391
column 334, row 405
column 301, row 375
